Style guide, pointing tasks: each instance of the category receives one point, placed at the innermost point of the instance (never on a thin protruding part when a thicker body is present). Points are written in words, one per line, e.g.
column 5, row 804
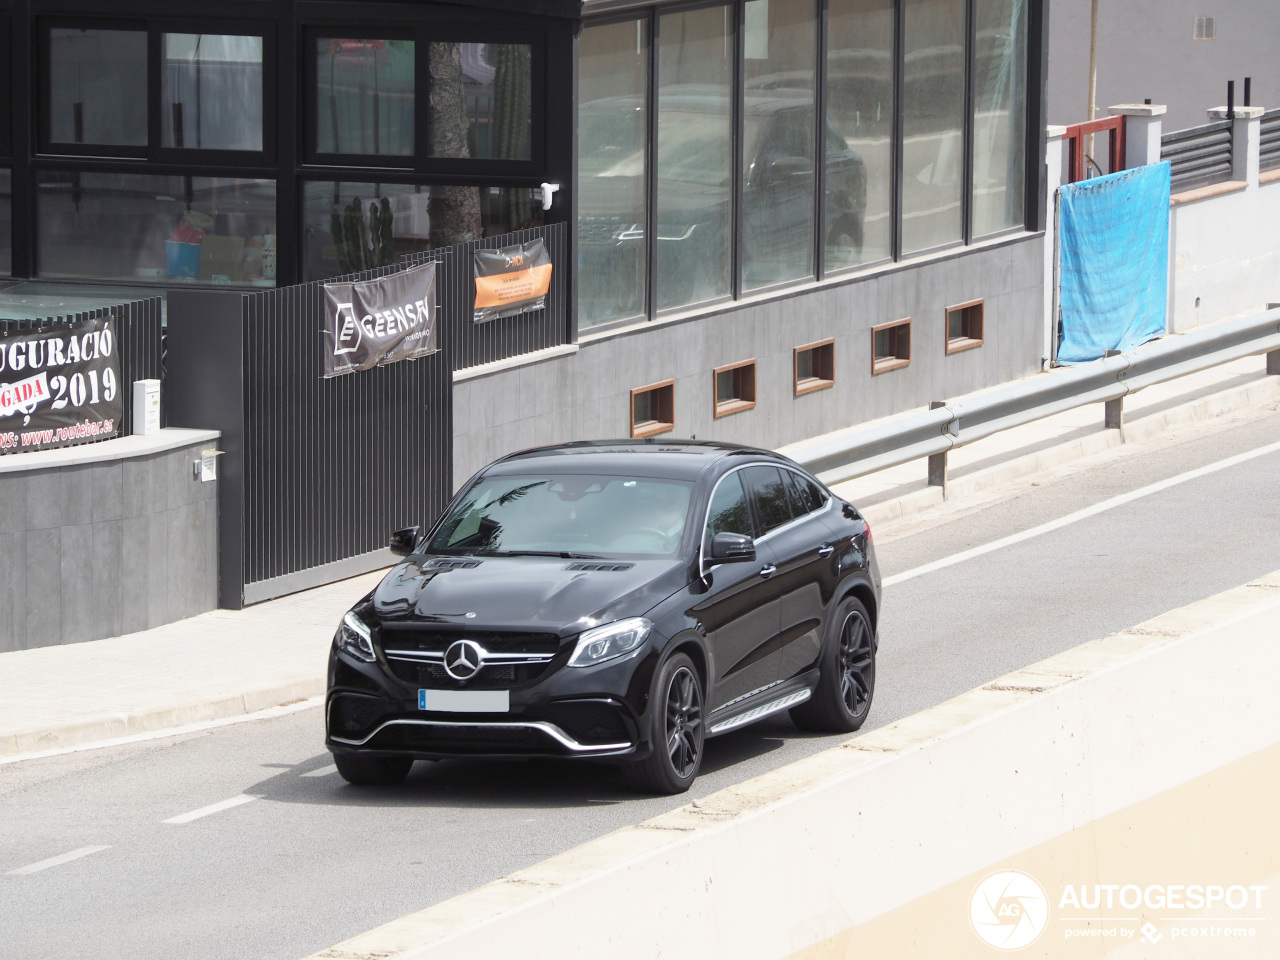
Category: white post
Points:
column 1142, row 128
column 1246, row 141
column 1053, row 180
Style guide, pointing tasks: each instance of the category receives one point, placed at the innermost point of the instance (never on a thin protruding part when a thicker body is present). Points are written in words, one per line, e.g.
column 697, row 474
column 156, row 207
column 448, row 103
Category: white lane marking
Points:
column 212, row 808
column 1091, row 511
column 194, row 727
column 56, row 861
column 322, row 772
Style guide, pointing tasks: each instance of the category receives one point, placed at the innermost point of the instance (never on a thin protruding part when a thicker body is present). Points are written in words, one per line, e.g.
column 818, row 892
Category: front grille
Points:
column 349, row 715
column 416, row 657
column 587, row 721
column 478, row 739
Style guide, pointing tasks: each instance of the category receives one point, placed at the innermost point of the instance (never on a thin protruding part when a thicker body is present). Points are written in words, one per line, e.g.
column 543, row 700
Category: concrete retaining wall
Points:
column 584, row 394
column 105, row 539
column 1145, row 759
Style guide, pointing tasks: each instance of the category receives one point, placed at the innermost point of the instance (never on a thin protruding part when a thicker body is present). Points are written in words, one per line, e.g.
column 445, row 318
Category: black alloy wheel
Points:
column 842, row 698
column 372, row 771
column 676, row 731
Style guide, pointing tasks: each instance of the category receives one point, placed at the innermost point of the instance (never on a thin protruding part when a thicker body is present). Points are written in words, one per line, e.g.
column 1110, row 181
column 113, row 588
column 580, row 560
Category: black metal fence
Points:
column 316, row 473
column 467, row 343
column 138, row 325
column 1269, row 152
column 1198, row 156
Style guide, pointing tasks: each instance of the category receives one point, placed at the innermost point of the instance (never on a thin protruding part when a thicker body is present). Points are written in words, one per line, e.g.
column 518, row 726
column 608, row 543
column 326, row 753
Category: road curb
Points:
column 1140, row 430
column 84, row 733
column 466, row 924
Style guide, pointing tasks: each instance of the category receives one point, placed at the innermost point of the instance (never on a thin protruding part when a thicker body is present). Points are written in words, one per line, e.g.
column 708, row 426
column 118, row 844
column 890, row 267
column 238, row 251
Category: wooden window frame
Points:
column 650, row 428
column 897, row 362
column 737, row 404
column 815, row 383
column 967, row 342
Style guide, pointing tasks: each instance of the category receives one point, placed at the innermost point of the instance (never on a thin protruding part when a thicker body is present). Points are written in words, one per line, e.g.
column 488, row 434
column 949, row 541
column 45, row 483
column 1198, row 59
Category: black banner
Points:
column 60, row 386
column 511, row 280
column 379, row 321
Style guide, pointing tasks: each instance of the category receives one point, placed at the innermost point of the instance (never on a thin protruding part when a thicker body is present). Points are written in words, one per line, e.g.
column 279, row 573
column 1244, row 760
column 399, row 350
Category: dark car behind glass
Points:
column 619, row 600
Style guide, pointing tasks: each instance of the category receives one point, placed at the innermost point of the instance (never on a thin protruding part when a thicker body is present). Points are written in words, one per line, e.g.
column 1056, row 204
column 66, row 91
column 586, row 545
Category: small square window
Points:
column 964, row 326
column 890, row 346
column 735, row 388
column 653, row 409
column 1204, row 28
column 815, row 366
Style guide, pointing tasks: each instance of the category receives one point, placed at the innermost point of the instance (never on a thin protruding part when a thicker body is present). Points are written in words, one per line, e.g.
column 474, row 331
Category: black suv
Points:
column 616, row 599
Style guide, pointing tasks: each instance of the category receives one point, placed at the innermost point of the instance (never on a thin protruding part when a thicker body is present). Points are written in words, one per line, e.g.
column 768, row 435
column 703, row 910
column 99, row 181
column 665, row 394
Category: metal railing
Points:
column 1269, row 141
column 1198, row 156
column 955, row 423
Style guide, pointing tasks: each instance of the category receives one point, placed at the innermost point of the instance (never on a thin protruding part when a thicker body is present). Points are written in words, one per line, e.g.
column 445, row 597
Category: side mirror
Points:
column 732, row 548
column 403, row 541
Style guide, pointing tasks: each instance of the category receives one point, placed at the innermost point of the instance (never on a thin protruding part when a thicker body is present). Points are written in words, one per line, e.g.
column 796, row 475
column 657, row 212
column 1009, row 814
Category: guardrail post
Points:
column 1273, row 358
column 1113, row 410
column 938, row 461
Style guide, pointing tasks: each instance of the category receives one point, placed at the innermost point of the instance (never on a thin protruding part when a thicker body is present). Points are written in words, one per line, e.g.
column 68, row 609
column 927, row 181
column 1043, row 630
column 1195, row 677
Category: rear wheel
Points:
column 842, row 699
column 372, row 771
column 676, row 731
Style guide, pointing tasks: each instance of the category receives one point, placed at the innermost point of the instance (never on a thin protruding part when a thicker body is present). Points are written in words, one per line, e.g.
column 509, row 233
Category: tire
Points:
column 676, row 730
column 842, row 698
column 372, row 771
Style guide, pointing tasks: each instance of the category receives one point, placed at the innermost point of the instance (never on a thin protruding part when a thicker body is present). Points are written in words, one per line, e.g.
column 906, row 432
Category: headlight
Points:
column 612, row 640
column 353, row 638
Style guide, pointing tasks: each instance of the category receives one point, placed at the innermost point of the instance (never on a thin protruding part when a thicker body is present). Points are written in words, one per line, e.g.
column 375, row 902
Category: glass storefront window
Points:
column 149, row 227
column 350, row 227
column 364, row 96
column 612, row 132
column 1000, row 116
column 859, row 132
column 480, row 100
column 98, row 87
column 778, row 176
column 694, row 156
column 6, row 222
column 211, row 92
column 932, row 124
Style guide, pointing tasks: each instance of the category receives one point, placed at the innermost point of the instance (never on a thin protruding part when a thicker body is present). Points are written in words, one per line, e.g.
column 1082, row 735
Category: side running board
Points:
column 784, row 702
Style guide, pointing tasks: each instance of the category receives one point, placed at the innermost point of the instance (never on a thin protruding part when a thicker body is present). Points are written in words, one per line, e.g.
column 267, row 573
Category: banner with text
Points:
column 511, row 280
column 379, row 321
column 59, row 386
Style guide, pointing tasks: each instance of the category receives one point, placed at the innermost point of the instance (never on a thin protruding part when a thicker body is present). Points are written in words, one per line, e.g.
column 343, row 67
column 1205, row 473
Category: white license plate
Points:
column 465, row 701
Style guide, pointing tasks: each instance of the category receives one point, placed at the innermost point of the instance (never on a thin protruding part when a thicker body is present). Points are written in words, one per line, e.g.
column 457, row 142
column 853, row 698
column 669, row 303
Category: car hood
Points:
column 539, row 594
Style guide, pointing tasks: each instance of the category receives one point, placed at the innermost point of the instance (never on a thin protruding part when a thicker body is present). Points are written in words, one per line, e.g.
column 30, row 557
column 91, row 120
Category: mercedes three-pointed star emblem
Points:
column 463, row 659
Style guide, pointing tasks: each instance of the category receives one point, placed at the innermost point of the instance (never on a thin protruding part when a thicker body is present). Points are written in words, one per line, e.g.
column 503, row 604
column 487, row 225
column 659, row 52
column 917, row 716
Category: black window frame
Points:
column 420, row 163
column 6, row 85
column 153, row 153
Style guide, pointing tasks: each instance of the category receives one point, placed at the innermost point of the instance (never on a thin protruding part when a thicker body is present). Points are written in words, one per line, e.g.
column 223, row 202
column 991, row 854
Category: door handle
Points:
column 768, row 570
column 826, row 550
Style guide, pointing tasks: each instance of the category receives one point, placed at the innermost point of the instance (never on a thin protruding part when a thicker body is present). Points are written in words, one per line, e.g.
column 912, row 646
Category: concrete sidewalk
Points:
column 226, row 664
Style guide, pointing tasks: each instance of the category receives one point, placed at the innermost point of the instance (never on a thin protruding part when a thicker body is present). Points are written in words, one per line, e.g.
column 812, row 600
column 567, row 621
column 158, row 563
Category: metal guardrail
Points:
column 1269, row 141
column 931, row 433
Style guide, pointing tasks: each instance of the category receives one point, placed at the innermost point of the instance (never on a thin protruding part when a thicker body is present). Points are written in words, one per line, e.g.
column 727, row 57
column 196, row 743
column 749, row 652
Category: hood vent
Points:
column 596, row 567
column 444, row 563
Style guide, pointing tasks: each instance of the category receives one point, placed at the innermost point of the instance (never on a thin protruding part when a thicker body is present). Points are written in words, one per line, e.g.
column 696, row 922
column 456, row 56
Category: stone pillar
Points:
column 1246, row 138
column 1141, row 131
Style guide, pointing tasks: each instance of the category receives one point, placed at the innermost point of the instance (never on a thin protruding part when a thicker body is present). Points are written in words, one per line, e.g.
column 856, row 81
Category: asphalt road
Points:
column 312, row 861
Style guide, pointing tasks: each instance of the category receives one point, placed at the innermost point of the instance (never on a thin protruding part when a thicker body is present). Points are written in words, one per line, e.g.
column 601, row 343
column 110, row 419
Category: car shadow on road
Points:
column 529, row 784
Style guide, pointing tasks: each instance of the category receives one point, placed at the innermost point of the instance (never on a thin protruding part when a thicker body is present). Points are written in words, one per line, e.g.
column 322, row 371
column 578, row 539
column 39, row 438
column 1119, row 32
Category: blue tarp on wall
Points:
column 1114, row 261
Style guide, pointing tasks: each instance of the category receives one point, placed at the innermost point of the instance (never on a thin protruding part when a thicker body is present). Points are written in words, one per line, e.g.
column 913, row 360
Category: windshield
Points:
column 577, row 515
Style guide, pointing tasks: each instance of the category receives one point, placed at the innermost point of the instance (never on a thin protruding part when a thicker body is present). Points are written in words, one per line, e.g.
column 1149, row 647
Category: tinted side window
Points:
column 804, row 493
column 728, row 512
column 769, row 496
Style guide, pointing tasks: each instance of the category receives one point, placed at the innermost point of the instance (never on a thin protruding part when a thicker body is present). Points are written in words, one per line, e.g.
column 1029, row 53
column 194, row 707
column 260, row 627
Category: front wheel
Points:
column 847, row 682
column 676, row 731
column 372, row 771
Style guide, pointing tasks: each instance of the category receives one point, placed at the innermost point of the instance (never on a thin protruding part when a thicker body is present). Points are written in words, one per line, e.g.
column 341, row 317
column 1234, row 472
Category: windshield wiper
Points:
column 561, row 554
